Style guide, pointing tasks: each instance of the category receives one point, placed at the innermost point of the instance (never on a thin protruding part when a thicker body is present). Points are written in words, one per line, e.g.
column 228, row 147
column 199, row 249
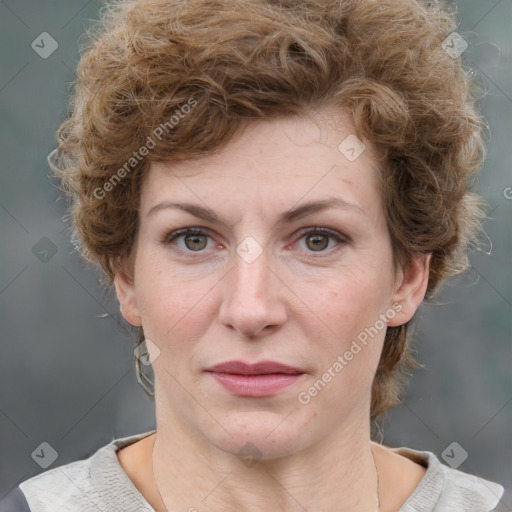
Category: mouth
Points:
column 262, row 379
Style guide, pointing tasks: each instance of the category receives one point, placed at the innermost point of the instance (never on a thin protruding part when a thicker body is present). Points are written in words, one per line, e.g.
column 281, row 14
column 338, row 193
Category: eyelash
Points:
column 341, row 239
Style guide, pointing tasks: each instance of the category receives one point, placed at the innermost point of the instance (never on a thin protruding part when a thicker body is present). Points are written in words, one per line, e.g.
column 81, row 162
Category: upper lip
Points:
column 260, row 368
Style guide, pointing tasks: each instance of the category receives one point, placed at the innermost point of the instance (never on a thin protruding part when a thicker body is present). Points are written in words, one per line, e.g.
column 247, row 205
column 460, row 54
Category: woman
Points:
column 273, row 188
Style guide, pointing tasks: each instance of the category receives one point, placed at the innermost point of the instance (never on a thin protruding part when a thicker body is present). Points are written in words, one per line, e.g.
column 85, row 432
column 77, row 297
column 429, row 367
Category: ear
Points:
column 125, row 290
column 411, row 286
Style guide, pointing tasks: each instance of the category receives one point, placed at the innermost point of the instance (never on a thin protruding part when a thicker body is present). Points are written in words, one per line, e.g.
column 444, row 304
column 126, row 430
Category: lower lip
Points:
column 256, row 385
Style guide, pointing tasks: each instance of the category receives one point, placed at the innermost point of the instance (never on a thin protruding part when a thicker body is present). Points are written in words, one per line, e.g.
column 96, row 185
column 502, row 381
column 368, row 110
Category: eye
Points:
column 318, row 239
column 194, row 239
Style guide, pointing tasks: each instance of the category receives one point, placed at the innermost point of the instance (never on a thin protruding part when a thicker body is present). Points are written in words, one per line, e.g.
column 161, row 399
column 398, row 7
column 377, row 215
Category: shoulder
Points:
column 445, row 489
column 469, row 492
column 63, row 487
column 84, row 484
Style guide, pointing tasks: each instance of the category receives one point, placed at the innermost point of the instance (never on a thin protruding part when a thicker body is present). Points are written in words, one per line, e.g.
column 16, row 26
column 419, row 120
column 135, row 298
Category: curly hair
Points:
column 164, row 80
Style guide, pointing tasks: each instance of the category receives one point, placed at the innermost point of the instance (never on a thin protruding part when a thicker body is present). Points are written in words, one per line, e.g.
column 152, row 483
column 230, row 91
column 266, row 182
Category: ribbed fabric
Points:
column 99, row 484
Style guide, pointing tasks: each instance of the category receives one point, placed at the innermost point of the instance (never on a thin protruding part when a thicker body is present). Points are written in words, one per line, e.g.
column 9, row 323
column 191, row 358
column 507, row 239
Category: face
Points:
column 289, row 261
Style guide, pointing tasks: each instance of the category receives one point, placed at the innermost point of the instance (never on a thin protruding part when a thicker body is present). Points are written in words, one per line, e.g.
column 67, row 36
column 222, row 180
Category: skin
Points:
column 297, row 303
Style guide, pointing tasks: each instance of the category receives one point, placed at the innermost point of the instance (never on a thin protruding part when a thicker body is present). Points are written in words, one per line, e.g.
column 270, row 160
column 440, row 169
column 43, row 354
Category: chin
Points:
column 258, row 435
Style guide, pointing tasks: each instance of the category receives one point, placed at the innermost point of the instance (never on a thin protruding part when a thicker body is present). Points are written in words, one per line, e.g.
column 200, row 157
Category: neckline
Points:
column 107, row 473
column 430, row 487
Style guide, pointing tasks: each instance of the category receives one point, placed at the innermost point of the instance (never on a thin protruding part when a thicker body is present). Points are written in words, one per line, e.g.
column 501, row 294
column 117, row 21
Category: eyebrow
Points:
column 288, row 216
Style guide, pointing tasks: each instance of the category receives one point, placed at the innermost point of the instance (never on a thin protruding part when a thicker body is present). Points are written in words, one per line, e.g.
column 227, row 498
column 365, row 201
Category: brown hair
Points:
column 174, row 80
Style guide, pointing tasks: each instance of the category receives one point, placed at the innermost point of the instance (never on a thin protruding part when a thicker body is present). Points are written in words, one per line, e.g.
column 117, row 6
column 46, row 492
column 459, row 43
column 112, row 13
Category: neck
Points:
column 337, row 474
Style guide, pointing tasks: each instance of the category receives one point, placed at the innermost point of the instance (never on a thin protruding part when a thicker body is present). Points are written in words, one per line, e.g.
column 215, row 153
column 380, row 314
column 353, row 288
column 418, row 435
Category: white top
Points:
column 99, row 484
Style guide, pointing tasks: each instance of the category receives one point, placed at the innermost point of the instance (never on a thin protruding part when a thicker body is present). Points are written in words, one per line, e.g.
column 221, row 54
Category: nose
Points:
column 252, row 301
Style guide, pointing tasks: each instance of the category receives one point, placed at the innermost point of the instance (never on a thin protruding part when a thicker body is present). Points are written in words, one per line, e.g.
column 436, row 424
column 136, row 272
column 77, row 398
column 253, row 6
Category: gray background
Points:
column 66, row 364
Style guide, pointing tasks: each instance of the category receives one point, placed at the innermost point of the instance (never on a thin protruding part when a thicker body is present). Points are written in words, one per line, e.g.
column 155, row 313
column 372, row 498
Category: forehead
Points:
column 285, row 160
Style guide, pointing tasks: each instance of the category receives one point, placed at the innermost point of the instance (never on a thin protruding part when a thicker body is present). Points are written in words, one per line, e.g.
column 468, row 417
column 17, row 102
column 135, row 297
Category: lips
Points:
column 261, row 368
column 262, row 379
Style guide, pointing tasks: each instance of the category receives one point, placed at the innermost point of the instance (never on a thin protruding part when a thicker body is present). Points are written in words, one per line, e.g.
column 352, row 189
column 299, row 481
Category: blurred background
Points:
column 66, row 367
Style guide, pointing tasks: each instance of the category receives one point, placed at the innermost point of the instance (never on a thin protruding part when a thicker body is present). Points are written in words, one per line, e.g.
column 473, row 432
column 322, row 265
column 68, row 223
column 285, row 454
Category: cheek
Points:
column 353, row 301
column 350, row 351
column 172, row 306
column 350, row 310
